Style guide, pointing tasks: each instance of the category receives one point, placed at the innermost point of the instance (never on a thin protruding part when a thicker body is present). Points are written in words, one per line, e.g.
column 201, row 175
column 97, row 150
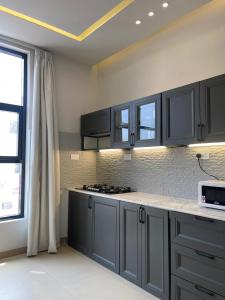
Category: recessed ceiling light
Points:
column 138, row 22
column 151, row 13
column 165, row 4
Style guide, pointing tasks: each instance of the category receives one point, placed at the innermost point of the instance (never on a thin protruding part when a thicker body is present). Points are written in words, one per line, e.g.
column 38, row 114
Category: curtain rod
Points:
column 16, row 42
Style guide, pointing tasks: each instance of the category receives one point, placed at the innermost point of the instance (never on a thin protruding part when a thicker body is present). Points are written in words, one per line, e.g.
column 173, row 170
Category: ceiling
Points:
column 77, row 15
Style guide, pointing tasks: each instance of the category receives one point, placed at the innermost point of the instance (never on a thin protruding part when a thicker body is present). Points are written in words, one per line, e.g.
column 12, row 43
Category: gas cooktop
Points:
column 106, row 189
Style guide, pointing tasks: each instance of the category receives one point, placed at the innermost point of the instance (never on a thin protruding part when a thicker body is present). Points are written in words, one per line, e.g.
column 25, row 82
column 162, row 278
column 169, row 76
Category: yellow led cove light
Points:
column 99, row 23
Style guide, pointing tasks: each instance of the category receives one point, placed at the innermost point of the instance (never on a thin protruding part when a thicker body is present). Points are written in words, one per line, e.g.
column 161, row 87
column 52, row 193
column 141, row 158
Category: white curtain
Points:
column 43, row 160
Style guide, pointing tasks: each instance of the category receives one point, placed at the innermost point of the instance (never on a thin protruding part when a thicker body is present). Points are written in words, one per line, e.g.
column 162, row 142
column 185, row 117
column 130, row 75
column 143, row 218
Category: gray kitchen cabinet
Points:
column 184, row 290
column 197, row 257
column 121, row 126
column 137, row 123
column 79, row 222
column 130, row 242
column 202, row 234
column 212, row 93
column 144, row 248
column 155, row 252
column 96, row 123
column 181, row 119
column 199, row 267
column 147, row 121
column 105, row 232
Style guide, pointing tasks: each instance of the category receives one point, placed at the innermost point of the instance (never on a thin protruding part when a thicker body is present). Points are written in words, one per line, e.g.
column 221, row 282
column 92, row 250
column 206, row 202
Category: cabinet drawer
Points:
column 198, row 233
column 184, row 290
column 199, row 267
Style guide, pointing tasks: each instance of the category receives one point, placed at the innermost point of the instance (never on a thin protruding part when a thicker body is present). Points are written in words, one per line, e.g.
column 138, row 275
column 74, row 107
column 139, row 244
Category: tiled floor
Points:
column 67, row 275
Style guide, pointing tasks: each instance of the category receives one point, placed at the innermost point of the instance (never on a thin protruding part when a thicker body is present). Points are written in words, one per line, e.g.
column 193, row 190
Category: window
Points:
column 13, row 93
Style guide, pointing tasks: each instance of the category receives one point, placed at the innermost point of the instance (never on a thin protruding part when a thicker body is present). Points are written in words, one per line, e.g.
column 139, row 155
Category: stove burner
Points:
column 107, row 189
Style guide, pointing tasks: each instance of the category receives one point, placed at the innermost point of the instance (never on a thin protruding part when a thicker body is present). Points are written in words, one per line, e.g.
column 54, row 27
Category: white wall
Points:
column 189, row 50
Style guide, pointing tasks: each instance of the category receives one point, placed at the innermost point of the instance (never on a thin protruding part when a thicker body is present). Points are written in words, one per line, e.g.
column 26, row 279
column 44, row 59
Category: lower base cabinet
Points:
column 185, row 290
column 79, row 222
column 127, row 238
column 144, row 248
column 105, row 232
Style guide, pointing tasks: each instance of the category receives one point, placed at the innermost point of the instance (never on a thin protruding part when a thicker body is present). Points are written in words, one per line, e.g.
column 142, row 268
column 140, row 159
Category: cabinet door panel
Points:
column 184, row 290
column 96, row 123
column 213, row 109
column 200, row 233
column 121, row 126
column 181, row 115
column 130, row 242
column 155, row 248
column 105, row 232
column 147, row 121
column 79, row 224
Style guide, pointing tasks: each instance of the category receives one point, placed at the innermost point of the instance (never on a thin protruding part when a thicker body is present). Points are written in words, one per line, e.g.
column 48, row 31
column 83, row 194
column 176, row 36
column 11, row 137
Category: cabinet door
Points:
column 121, row 118
column 130, row 242
column 155, row 249
column 184, row 290
column 181, row 120
column 79, row 222
column 213, row 109
column 105, row 232
column 96, row 123
column 147, row 122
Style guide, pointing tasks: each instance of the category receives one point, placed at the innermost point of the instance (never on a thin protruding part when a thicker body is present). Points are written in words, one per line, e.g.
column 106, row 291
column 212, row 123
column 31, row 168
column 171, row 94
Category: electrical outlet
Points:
column 75, row 156
column 127, row 156
column 204, row 155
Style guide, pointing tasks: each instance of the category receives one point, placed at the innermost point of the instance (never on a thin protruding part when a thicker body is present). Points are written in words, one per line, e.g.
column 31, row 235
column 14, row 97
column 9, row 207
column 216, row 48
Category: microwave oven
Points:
column 212, row 194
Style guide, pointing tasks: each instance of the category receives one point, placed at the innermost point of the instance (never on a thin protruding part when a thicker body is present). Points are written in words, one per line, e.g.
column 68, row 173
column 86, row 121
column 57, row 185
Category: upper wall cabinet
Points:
column 137, row 123
column 181, row 120
column 147, row 121
column 96, row 123
column 213, row 109
column 121, row 126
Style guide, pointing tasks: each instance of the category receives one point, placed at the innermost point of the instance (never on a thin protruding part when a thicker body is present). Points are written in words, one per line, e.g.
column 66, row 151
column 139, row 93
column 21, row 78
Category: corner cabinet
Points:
column 137, row 123
column 144, row 248
column 79, row 222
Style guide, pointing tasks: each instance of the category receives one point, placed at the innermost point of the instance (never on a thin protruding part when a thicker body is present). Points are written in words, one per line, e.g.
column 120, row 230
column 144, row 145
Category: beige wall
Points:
column 189, row 50
column 75, row 87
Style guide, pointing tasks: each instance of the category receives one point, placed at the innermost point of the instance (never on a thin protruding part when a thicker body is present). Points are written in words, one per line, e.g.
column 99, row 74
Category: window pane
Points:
column 9, row 131
column 10, row 190
column 11, row 79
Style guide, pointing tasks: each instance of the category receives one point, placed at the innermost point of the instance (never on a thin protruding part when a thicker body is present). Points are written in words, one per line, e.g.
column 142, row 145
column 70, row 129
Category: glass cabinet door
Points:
column 121, row 125
column 147, row 121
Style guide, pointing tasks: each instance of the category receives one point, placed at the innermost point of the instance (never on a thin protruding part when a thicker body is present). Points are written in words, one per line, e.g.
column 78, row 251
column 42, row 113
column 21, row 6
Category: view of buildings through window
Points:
column 12, row 131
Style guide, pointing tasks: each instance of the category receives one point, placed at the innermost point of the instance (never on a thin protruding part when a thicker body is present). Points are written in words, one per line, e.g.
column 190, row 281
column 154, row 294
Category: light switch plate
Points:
column 75, row 156
column 127, row 156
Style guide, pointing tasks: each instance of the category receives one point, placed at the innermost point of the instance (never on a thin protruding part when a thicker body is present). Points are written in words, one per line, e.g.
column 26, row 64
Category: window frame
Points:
column 22, row 112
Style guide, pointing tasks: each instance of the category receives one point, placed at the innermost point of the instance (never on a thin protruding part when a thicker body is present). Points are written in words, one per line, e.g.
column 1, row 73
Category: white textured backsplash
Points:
column 170, row 171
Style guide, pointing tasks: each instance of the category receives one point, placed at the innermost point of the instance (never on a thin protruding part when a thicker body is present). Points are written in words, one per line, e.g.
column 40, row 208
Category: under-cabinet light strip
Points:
column 207, row 145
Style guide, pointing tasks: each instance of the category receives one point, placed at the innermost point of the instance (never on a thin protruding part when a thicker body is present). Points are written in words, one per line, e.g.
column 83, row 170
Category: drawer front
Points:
column 198, row 233
column 199, row 267
column 184, row 290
